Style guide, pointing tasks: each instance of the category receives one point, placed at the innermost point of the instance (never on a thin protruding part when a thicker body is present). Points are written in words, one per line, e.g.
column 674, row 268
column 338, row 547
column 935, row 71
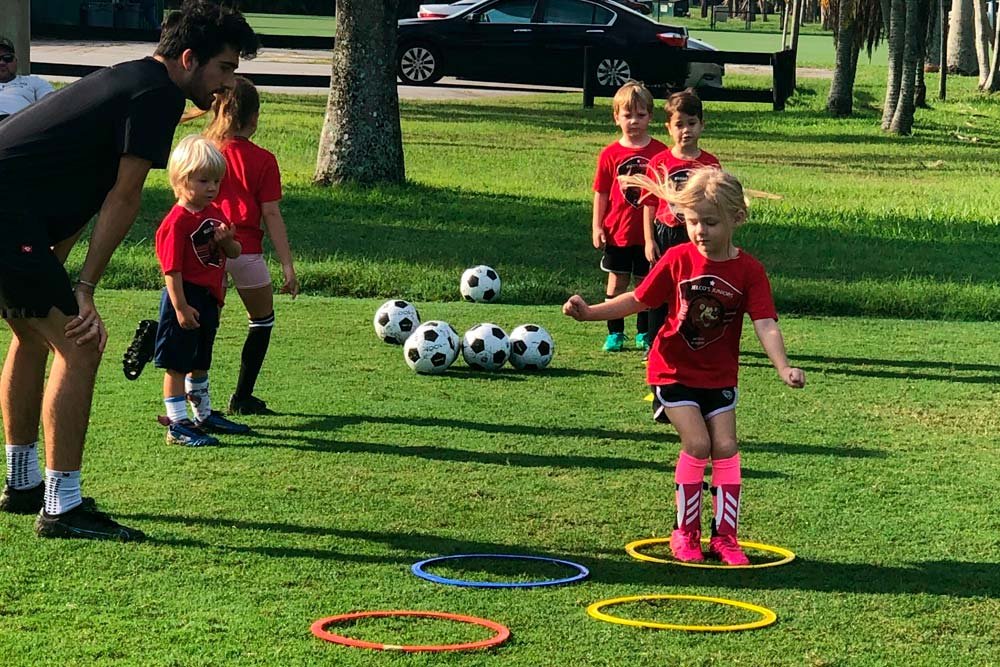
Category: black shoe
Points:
column 23, row 501
column 251, row 405
column 140, row 350
column 86, row 522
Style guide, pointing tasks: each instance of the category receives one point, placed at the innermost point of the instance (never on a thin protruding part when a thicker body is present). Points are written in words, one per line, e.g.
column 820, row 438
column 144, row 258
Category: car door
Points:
column 567, row 27
column 497, row 42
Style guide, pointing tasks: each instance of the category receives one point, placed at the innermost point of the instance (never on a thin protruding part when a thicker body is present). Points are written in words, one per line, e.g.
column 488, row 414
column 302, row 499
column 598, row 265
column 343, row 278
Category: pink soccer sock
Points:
column 727, row 481
column 689, row 476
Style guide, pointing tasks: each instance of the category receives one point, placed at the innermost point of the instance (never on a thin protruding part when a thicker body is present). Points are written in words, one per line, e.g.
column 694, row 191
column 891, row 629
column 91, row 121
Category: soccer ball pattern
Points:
column 485, row 347
column 432, row 348
column 531, row 347
column 395, row 320
column 480, row 284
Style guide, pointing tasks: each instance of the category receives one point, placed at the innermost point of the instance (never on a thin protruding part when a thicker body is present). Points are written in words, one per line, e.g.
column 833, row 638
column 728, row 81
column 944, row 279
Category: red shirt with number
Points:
column 677, row 171
column 252, row 179
column 699, row 346
column 622, row 221
column 185, row 243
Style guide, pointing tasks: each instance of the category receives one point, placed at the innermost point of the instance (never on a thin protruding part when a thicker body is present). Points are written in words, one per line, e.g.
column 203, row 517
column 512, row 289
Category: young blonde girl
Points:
column 249, row 196
column 708, row 285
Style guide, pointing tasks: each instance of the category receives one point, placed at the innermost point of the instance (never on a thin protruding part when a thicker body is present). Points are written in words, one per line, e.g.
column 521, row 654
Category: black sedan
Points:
column 541, row 42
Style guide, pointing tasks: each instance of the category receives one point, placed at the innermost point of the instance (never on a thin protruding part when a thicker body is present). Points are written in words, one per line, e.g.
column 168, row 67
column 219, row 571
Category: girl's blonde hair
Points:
column 708, row 184
column 233, row 110
column 632, row 95
column 194, row 153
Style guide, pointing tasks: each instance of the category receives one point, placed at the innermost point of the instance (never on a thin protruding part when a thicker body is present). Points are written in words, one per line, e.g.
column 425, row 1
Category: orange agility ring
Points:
column 319, row 629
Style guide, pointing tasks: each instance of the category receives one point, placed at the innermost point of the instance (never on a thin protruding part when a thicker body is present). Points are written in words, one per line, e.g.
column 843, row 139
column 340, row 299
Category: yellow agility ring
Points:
column 632, row 549
column 767, row 616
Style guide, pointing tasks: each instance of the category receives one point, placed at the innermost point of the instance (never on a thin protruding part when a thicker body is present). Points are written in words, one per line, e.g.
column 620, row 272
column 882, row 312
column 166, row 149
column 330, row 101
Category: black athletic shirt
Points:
column 59, row 157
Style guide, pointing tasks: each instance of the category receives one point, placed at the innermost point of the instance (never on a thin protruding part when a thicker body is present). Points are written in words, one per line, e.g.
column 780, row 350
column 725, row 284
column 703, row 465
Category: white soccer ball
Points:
column 480, row 284
column 531, row 347
column 395, row 320
column 486, row 347
column 432, row 348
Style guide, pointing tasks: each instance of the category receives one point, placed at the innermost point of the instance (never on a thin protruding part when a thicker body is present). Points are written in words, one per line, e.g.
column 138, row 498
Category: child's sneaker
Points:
column 186, row 434
column 642, row 342
column 686, row 545
column 216, row 423
column 615, row 342
column 728, row 550
column 140, row 350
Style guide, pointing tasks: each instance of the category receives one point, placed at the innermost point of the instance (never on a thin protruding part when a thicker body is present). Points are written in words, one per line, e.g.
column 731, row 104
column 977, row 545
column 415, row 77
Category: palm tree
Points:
column 897, row 35
column 361, row 140
column 857, row 24
column 961, row 38
column 916, row 31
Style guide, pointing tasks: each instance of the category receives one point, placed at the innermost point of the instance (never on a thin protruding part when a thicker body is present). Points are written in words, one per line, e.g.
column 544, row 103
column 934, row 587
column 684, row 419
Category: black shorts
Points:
column 711, row 402
column 667, row 236
column 628, row 260
column 32, row 279
column 185, row 350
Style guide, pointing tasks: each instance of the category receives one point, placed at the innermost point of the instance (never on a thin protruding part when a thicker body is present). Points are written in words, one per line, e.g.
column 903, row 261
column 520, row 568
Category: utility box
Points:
column 100, row 14
column 721, row 14
column 55, row 12
column 128, row 15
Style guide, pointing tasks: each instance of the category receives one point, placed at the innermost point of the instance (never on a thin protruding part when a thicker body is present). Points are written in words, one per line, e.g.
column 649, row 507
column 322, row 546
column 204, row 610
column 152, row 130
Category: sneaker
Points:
column 686, row 545
column 87, row 522
column 251, row 405
column 22, row 501
column 185, row 433
column 216, row 423
column 728, row 550
column 642, row 342
column 615, row 342
column 140, row 350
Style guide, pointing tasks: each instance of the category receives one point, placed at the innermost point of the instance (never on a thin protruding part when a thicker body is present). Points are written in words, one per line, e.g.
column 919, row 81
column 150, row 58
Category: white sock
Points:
column 22, row 466
column 62, row 491
column 176, row 408
column 197, row 395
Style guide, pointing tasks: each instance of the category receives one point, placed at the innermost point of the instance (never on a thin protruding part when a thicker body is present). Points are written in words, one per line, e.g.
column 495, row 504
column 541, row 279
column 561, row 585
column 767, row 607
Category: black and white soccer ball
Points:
column 531, row 347
column 395, row 320
column 480, row 284
column 486, row 347
column 432, row 348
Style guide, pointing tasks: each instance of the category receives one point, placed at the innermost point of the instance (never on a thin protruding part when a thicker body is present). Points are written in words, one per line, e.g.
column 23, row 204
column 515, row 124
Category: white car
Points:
column 440, row 11
column 704, row 75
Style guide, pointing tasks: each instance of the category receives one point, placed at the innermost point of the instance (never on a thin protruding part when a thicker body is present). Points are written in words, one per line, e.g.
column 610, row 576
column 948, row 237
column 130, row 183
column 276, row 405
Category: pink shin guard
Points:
column 689, row 476
column 726, row 483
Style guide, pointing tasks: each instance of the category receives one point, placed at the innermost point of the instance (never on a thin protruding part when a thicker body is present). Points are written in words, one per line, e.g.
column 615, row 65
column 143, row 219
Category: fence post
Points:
column 588, row 91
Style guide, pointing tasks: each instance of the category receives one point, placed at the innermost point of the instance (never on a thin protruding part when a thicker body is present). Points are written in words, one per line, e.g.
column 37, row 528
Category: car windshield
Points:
column 509, row 11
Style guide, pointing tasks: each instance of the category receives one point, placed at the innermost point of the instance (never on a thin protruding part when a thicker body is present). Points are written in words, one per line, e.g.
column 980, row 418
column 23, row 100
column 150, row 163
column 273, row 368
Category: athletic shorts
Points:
column 32, row 279
column 628, row 260
column 667, row 237
column 711, row 402
column 249, row 271
column 185, row 350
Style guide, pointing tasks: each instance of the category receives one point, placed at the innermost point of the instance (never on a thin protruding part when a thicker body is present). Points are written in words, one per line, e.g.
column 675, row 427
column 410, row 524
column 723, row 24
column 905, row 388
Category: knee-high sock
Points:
column 615, row 326
column 642, row 321
column 688, row 477
column 727, row 481
column 254, row 351
column 196, row 390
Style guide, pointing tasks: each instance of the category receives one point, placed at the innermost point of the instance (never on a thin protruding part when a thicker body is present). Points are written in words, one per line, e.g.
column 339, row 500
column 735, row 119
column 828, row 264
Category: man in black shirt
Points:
column 81, row 151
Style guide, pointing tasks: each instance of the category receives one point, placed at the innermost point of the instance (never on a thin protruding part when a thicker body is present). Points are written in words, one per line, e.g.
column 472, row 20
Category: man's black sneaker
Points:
column 251, row 405
column 23, row 501
column 140, row 350
column 85, row 522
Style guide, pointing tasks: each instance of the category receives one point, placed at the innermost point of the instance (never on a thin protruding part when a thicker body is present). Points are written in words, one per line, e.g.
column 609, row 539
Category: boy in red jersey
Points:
column 192, row 244
column 693, row 364
column 617, row 214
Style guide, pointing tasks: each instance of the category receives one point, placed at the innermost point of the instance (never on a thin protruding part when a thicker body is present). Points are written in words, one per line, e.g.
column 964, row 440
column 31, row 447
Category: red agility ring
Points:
column 502, row 633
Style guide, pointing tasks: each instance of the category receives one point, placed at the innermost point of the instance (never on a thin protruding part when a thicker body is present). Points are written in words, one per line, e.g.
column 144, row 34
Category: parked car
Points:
column 704, row 75
column 440, row 11
column 541, row 42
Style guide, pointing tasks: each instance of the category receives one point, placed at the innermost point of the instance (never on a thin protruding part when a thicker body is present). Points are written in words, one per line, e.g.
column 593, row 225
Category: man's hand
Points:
column 87, row 327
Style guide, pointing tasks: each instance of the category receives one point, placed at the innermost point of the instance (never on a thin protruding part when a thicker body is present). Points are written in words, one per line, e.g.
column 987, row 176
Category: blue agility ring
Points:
column 418, row 569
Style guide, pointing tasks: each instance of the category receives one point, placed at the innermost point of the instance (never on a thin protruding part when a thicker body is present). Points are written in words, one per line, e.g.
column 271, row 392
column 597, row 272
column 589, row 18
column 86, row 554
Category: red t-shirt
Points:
column 252, row 178
column 699, row 346
column 623, row 219
column 185, row 242
column 678, row 170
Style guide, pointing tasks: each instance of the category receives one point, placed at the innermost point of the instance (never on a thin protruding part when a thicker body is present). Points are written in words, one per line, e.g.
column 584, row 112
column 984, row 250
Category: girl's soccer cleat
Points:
column 686, row 545
column 642, row 341
column 140, row 350
column 615, row 342
column 727, row 550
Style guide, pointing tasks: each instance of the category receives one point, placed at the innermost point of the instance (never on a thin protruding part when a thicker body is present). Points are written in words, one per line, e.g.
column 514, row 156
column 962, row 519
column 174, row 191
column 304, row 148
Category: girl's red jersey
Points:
column 623, row 219
column 699, row 346
column 252, row 178
column 677, row 170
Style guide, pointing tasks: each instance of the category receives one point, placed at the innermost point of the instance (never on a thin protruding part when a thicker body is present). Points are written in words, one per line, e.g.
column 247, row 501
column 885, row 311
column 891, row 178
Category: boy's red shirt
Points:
column 677, row 170
column 623, row 219
column 252, row 178
column 699, row 345
column 185, row 242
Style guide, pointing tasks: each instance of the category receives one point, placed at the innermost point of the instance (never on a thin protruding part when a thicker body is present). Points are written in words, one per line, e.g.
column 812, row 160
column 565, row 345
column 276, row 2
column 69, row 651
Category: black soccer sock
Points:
column 656, row 318
column 254, row 351
column 615, row 326
column 642, row 321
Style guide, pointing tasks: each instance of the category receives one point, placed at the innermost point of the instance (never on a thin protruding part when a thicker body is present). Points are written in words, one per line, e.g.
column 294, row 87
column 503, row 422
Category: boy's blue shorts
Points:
column 185, row 350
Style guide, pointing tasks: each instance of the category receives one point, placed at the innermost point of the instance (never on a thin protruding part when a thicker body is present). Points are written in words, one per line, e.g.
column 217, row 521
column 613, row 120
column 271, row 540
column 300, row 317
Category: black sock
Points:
column 656, row 319
column 254, row 351
column 642, row 322
column 615, row 326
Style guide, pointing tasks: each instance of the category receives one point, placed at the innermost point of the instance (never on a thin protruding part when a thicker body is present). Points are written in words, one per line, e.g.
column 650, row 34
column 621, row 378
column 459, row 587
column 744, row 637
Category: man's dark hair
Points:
column 6, row 45
column 206, row 28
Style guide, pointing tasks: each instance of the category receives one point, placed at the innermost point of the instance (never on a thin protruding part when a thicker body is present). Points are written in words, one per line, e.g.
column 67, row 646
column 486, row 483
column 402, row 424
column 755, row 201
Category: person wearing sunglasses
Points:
column 17, row 91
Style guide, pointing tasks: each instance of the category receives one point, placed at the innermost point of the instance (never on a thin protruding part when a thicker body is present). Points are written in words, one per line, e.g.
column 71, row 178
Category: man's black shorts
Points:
column 710, row 402
column 32, row 279
column 185, row 350
column 628, row 260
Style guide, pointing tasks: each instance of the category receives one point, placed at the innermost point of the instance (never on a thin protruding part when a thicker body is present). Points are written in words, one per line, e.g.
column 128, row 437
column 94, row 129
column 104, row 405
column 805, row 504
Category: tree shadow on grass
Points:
column 861, row 367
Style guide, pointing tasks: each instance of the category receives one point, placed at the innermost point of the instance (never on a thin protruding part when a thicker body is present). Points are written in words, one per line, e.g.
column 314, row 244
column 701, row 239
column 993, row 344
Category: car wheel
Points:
column 613, row 72
column 418, row 65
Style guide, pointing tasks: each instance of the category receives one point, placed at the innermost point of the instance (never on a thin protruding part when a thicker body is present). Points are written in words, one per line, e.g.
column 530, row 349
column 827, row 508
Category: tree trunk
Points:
column 841, row 100
column 916, row 28
column 993, row 80
column 361, row 141
column 15, row 25
column 962, row 38
column 983, row 39
column 933, row 51
column 897, row 35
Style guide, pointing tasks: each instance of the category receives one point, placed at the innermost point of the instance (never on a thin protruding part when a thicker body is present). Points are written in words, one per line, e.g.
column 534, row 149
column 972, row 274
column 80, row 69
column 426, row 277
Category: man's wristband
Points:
column 87, row 283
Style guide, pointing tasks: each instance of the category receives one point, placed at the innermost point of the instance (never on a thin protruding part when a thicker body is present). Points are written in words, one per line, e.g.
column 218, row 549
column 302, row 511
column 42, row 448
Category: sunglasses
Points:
column 7, row 58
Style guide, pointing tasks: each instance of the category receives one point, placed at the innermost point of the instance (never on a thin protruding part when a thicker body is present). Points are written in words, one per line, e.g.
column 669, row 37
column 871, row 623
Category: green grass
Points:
column 878, row 475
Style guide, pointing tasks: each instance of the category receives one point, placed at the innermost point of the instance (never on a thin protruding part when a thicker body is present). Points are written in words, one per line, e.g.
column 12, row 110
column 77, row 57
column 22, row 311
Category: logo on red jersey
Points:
column 708, row 305
column 205, row 247
column 634, row 165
